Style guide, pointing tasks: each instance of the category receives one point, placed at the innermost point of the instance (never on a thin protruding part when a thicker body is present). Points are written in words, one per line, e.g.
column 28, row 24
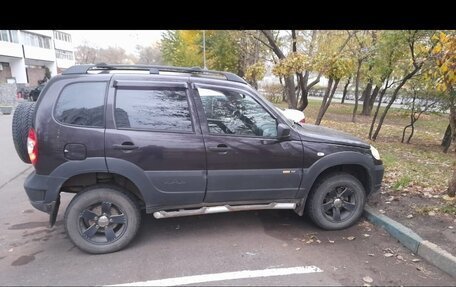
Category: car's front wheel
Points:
column 336, row 202
column 102, row 219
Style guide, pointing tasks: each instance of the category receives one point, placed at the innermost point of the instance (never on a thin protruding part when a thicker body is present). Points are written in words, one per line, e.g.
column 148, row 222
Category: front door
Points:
column 155, row 133
column 245, row 160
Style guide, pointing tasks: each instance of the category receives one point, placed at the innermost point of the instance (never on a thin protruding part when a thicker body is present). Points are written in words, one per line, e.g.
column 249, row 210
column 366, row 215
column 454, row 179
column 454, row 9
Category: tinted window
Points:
column 82, row 104
column 157, row 109
column 230, row 112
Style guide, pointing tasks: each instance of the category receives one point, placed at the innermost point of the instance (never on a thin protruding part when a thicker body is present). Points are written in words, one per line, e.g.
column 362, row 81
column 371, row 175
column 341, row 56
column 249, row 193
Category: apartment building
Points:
column 26, row 55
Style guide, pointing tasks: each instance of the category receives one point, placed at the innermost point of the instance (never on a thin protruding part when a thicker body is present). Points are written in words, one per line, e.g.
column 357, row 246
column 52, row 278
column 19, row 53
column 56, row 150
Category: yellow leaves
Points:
column 255, row 72
column 437, row 49
column 294, row 63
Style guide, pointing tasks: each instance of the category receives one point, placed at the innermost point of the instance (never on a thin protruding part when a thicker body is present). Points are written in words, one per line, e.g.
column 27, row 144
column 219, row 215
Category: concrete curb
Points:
column 431, row 252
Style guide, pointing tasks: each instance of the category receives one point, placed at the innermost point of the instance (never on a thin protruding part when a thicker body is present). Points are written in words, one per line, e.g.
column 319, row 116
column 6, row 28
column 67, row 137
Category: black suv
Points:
column 176, row 142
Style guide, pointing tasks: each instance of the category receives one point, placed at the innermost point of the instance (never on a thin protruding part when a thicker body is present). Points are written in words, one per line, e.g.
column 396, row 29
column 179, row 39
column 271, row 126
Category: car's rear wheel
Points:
column 336, row 202
column 102, row 219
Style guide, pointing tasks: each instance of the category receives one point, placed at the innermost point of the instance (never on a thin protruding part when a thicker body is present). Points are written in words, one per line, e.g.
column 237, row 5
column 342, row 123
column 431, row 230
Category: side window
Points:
column 231, row 112
column 82, row 104
column 154, row 109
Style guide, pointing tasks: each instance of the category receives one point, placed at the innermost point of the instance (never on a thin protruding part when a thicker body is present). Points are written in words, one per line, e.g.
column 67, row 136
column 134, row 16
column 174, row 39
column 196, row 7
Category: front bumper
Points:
column 377, row 177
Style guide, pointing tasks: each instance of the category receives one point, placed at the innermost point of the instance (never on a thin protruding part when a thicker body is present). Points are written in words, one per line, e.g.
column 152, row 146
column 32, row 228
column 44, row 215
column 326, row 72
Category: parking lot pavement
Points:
column 10, row 164
column 32, row 254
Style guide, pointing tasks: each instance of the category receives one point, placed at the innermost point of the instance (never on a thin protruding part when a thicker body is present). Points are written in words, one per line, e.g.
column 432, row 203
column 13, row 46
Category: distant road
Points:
column 337, row 100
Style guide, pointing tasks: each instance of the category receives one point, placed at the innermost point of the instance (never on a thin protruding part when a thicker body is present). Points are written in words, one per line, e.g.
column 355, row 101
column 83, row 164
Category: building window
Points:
column 62, row 36
column 62, row 54
column 9, row 36
column 36, row 40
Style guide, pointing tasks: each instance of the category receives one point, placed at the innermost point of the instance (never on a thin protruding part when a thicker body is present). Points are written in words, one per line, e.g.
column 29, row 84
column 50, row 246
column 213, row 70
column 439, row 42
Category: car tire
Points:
column 22, row 122
column 102, row 219
column 336, row 201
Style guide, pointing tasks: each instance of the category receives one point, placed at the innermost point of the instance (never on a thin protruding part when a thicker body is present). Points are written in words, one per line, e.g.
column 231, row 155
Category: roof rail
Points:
column 153, row 69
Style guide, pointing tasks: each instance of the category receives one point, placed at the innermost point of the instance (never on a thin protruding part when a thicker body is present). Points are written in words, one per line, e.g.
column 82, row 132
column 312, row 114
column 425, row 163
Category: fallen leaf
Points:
column 410, row 216
column 400, row 257
column 371, row 254
column 387, row 254
column 431, row 213
column 299, row 248
column 368, row 279
column 450, row 227
column 351, row 238
column 331, row 241
column 381, row 211
column 309, row 241
column 416, row 260
column 366, row 235
column 318, row 241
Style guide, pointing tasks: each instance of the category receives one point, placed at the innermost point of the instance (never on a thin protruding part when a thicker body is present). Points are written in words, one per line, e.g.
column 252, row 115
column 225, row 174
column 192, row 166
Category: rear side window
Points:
column 153, row 109
column 82, row 104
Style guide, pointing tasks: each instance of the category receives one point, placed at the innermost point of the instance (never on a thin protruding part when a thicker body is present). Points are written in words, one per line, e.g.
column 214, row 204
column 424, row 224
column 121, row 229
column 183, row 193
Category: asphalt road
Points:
column 210, row 245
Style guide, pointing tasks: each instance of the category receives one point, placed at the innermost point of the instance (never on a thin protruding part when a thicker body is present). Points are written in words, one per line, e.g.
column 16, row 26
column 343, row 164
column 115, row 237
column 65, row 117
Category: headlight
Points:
column 375, row 153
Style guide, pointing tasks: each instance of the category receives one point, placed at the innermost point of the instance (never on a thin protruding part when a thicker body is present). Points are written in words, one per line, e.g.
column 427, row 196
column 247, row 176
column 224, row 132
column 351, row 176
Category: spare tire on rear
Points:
column 22, row 122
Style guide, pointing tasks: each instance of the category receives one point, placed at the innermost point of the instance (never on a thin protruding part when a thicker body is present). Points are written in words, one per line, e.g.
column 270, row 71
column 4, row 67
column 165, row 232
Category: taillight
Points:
column 303, row 121
column 32, row 146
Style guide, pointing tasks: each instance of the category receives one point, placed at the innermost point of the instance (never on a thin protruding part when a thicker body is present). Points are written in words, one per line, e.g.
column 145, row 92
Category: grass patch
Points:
column 402, row 182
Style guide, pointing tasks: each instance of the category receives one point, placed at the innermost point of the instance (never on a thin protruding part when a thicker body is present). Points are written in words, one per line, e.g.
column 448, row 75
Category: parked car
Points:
column 130, row 138
column 293, row 115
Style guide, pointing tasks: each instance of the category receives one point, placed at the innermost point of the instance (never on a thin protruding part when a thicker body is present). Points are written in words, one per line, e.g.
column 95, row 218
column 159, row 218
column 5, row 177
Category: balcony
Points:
column 10, row 49
column 37, row 53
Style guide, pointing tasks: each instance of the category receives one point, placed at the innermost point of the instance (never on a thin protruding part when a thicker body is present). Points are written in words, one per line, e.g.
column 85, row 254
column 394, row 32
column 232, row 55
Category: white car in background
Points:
column 293, row 115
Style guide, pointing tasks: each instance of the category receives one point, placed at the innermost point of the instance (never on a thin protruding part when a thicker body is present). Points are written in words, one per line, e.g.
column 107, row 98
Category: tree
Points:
column 84, row 54
column 185, row 48
column 289, row 80
column 339, row 68
column 422, row 100
column 149, row 55
column 391, row 50
column 443, row 72
column 419, row 50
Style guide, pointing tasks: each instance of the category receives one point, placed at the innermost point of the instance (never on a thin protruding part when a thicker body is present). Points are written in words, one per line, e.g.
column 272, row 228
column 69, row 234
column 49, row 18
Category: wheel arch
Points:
column 357, row 164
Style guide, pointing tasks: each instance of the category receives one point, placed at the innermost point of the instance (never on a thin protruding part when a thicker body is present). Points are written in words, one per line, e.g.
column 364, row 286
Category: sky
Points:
column 126, row 39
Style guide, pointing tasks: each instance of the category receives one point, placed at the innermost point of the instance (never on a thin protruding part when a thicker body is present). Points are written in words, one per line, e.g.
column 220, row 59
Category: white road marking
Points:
column 225, row 276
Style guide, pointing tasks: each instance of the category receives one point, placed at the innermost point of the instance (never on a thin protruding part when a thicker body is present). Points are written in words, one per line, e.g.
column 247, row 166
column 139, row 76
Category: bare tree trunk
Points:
column 371, row 129
column 452, row 185
column 452, row 125
column 303, row 80
column 356, row 90
column 412, row 121
column 345, row 91
column 393, row 98
column 372, row 99
column 366, row 101
column 323, row 102
column 328, row 102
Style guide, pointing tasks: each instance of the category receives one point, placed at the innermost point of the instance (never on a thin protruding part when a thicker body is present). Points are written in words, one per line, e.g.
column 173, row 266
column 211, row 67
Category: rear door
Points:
column 153, row 130
column 245, row 160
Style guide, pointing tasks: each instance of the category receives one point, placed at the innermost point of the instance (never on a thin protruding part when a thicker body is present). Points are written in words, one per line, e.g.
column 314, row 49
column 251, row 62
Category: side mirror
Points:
column 283, row 131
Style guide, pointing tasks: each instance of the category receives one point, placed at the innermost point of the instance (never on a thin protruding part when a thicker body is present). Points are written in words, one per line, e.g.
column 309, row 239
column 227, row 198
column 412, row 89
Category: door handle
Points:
column 219, row 148
column 125, row 146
